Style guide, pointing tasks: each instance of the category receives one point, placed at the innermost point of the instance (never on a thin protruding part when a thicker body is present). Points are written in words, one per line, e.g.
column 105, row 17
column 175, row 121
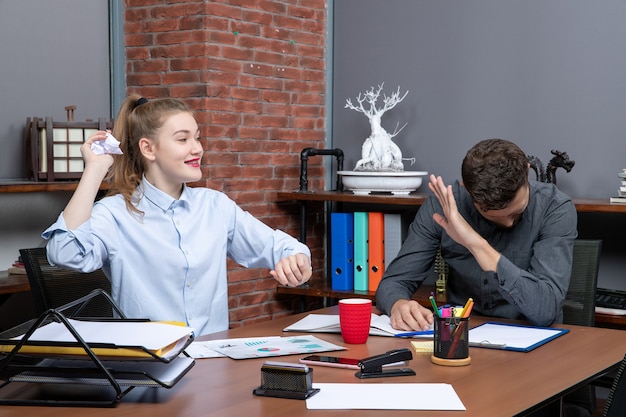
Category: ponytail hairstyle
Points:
column 137, row 118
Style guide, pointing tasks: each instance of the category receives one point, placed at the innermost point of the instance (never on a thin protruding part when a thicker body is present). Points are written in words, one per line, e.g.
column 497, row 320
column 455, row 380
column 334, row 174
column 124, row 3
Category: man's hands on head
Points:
column 410, row 315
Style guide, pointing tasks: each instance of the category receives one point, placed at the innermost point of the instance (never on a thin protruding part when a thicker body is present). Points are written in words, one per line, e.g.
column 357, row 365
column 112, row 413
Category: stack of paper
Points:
column 507, row 336
column 116, row 338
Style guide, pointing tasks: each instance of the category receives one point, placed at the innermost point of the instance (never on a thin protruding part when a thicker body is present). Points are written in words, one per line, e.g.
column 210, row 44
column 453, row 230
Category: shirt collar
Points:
column 159, row 198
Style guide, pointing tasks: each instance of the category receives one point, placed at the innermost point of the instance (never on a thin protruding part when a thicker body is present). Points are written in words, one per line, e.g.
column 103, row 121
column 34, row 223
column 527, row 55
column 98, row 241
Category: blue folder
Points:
column 516, row 337
column 342, row 251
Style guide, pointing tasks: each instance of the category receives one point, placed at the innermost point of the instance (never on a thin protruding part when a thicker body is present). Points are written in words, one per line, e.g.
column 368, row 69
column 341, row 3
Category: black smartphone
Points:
column 332, row 361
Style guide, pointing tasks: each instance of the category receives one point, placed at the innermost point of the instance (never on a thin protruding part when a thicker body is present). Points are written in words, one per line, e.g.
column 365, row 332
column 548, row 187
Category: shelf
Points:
column 349, row 197
column 324, row 290
column 26, row 186
column 583, row 205
column 13, row 283
column 598, row 205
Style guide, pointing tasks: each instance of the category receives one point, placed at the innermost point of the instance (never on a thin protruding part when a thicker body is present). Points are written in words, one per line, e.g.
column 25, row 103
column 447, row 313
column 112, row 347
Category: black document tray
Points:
column 95, row 381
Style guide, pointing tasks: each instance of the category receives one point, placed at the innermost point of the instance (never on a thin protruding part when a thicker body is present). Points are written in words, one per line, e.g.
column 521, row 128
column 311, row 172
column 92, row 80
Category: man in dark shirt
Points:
column 507, row 242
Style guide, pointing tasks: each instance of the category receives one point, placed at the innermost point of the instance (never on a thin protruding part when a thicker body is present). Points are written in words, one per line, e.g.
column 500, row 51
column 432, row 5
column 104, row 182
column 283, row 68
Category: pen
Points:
column 416, row 333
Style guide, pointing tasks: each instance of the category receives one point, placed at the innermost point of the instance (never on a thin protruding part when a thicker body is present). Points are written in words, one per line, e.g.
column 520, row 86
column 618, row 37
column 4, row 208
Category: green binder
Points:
column 360, row 252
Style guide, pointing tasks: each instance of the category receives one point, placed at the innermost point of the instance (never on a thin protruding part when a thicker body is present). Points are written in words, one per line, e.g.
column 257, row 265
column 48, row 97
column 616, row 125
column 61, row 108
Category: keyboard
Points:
column 610, row 298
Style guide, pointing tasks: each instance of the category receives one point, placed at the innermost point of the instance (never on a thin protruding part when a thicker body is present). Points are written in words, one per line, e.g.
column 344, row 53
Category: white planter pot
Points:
column 397, row 183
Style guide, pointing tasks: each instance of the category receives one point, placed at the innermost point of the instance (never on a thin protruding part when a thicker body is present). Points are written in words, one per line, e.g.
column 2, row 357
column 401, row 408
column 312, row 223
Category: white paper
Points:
column 329, row 323
column 148, row 334
column 384, row 397
column 509, row 336
column 202, row 350
column 262, row 347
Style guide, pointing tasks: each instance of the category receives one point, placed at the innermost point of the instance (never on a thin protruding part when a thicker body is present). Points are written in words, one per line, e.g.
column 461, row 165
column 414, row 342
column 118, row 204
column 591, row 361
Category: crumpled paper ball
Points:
column 108, row 146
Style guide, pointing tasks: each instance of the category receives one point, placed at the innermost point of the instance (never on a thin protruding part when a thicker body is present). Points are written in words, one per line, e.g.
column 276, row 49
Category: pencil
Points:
column 466, row 307
column 469, row 310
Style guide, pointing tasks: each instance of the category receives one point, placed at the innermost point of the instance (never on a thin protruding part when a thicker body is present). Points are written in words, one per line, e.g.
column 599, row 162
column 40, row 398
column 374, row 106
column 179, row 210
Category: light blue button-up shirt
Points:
column 170, row 264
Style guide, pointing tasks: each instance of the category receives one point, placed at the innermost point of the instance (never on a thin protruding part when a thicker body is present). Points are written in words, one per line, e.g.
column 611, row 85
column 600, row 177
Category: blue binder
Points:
column 342, row 251
column 360, row 251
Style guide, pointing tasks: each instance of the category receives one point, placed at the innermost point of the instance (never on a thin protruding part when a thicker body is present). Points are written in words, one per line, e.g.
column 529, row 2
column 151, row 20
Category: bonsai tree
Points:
column 379, row 152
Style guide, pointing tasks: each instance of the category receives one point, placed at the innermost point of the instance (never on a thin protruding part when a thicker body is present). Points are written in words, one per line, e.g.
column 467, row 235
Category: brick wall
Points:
column 254, row 72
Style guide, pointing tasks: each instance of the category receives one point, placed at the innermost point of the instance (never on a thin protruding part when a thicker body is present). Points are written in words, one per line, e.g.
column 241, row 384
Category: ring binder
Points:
column 26, row 361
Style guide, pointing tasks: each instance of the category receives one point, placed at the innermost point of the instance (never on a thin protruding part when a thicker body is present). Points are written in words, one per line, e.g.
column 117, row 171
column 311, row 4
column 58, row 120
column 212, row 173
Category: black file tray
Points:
column 80, row 380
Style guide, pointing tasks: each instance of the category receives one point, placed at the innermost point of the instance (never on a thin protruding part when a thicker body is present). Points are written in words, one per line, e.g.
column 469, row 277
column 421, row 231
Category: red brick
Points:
column 259, row 98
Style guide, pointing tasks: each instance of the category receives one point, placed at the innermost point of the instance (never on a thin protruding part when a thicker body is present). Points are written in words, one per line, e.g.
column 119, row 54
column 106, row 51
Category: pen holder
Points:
column 451, row 341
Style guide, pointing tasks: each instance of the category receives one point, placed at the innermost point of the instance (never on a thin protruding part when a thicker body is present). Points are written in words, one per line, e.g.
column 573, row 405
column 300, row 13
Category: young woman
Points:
column 163, row 244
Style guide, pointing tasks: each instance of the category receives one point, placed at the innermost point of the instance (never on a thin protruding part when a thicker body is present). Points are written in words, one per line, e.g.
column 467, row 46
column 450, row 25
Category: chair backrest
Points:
column 52, row 287
column 616, row 401
column 580, row 300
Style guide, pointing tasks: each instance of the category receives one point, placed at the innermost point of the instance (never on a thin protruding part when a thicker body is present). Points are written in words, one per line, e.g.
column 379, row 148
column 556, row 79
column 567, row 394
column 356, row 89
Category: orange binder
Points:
column 376, row 249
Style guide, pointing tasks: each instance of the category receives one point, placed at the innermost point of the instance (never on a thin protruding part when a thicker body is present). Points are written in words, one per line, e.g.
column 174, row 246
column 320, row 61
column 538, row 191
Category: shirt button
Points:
column 486, row 281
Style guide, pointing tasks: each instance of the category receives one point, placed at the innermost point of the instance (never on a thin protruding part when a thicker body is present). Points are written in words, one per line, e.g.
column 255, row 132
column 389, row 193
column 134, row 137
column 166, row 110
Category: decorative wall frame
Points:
column 53, row 148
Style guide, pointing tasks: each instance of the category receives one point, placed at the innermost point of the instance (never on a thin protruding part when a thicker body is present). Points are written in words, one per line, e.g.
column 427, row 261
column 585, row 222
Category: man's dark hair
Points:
column 493, row 171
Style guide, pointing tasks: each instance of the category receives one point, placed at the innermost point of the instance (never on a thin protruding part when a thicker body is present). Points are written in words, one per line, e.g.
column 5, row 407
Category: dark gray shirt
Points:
column 532, row 275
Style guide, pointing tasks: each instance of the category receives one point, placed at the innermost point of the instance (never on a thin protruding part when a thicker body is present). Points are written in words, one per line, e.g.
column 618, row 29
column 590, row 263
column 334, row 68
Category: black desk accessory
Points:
column 109, row 378
column 286, row 380
column 372, row 367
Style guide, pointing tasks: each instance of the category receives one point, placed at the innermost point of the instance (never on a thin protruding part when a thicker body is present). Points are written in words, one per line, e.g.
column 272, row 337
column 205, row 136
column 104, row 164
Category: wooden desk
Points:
column 497, row 383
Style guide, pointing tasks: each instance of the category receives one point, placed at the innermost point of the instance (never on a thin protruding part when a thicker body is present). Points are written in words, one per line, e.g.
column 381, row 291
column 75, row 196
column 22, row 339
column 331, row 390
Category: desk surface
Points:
column 497, row 383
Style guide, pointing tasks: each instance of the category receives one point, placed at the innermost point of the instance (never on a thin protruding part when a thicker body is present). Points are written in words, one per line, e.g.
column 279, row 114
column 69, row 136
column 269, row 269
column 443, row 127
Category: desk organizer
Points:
column 77, row 373
column 451, row 341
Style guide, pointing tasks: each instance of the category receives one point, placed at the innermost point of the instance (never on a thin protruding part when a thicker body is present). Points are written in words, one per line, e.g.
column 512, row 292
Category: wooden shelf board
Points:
column 349, row 197
column 583, row 205
column 26, row 186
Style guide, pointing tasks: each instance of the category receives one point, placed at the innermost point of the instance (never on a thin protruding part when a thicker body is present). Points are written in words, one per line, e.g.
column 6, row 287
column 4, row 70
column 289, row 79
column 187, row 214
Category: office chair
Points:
column 580, row 304
column 580, row 301
column 616, row 401
column 52, row 286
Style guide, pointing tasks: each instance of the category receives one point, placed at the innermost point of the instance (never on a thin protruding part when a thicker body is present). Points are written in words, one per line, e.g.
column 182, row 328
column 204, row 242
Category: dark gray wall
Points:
column 52, row 54
column 546, row 74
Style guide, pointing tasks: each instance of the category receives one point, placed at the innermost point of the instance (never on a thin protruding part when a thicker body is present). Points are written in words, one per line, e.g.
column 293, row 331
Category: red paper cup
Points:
column 355, row 315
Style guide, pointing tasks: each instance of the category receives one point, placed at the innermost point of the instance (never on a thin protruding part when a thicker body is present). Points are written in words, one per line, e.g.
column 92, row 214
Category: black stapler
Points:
column 372, row 367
